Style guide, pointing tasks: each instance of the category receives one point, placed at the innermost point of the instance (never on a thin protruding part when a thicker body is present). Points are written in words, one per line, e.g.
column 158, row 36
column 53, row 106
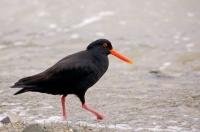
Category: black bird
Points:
column 73, row 74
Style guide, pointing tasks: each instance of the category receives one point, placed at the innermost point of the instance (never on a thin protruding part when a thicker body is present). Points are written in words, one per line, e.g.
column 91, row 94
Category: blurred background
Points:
column 159, row 92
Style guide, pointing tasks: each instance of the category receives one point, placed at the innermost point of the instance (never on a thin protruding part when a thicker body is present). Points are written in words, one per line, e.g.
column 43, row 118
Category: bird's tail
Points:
column 25, row 84
column 21, row 91
column 28, row 83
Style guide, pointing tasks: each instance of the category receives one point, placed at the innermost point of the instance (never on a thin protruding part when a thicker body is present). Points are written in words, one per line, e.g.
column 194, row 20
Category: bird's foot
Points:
column 99, row 116
column 64, row 118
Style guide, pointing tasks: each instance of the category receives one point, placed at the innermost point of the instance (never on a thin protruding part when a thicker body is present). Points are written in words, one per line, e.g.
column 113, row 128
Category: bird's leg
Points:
column 98, row 115
column 63, row 107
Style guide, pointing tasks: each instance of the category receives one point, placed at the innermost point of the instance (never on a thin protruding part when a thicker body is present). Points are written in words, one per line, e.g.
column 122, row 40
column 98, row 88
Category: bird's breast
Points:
column 99, row 68
column 101, row 63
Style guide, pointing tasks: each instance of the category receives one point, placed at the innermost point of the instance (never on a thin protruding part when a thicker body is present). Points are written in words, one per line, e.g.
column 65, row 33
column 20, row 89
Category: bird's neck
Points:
column 100, row 59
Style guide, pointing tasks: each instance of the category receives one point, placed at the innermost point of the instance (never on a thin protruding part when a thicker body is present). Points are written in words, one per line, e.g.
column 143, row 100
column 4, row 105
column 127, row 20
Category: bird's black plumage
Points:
column 73, row 74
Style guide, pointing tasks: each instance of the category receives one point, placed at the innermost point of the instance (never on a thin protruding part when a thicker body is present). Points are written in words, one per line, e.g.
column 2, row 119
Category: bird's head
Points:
column 105, row 46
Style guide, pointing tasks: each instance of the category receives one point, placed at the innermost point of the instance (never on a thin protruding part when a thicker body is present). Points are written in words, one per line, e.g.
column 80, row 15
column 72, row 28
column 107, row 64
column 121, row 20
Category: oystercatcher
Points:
column 73, row 74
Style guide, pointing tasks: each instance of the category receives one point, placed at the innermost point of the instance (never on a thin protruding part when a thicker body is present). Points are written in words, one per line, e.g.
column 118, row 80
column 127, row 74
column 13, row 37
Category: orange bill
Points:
column 120, row 56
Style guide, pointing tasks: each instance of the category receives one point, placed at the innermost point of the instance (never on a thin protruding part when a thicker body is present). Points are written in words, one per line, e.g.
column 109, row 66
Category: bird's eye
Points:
column 105, row 45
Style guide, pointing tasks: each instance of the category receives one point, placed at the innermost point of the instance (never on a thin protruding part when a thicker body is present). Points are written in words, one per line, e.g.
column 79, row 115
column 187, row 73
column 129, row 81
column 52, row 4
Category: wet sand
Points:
column 159, row 92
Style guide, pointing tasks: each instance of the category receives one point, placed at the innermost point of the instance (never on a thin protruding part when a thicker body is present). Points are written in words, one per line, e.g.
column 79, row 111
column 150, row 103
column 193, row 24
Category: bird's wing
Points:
column 69, row 70
column 69, row 73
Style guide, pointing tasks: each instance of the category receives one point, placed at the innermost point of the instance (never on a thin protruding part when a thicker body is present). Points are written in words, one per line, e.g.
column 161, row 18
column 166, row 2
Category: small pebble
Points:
column 5, row 120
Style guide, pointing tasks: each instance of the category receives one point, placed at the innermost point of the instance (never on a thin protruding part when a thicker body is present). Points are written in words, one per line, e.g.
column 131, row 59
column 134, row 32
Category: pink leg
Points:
column 63, row 107
column 99, row 116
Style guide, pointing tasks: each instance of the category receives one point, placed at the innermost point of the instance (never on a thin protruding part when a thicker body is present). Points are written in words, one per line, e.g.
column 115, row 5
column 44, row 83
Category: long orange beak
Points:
column 120, row 56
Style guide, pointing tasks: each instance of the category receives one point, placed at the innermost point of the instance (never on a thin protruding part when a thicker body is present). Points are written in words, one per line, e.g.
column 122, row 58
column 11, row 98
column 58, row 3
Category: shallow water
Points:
column 159, row 92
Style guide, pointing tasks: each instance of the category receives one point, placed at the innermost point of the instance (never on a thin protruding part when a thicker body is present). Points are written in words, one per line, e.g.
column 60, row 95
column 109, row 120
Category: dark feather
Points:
column 72, row 74
column 21, row 91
